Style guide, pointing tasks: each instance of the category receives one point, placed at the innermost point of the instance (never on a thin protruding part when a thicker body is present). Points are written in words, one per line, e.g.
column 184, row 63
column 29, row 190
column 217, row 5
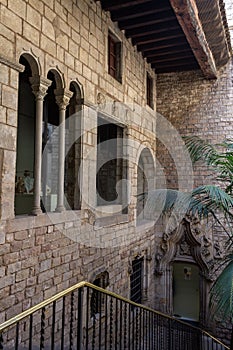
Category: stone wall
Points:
column 196, row 106
column 42, row 255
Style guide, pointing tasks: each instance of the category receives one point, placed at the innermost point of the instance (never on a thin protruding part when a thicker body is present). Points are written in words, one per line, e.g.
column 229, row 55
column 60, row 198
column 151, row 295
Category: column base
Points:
column 60, row 209
column 36, row 211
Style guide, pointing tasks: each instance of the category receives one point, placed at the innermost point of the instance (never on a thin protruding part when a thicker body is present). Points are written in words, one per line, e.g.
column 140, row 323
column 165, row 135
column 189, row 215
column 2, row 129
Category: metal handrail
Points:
column 14, row 320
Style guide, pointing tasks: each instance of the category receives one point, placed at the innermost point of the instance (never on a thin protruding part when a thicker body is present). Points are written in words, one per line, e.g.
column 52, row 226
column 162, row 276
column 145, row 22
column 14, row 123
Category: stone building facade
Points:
column 54, row 65
column 44, row 253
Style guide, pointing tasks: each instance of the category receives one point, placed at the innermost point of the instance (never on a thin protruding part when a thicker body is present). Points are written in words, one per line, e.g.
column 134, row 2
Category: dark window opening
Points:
column 136, row 280
column 114, row 57
column 24, row 187
column 73, row 152
column 97, row 298
column 50, row 148
column 109, row 163
column 142, row 187
column 149, row 91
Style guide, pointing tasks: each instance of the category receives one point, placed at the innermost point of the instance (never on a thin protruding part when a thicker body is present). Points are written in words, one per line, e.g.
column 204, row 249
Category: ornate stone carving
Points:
column 114, row 108
column 39, row 87
column 206, row 246
column 182, row 244
column 184, row 247
column 101, row 101
column 63, row 98
column 218, row 250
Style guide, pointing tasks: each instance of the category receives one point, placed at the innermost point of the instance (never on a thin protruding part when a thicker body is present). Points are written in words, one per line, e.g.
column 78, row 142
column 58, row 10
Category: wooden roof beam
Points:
column 110, row 5
column 161, row 45
column 187, row 14
column 175, row 63
column 137, row 11
column 170, row 58
column 147, row 30
column 167, row 52
column 146, row 20
column 150, row 39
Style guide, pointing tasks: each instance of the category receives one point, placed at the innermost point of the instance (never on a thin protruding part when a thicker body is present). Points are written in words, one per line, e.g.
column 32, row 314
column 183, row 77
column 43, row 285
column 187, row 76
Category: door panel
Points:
column 186, row 293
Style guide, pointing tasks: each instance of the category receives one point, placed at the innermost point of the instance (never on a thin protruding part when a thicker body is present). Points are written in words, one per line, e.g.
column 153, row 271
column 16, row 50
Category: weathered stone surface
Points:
column 42, row 255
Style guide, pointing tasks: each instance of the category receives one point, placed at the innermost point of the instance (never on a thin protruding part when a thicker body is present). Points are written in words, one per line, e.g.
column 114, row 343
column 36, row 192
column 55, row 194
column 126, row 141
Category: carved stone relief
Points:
column 191, row 241
column 101, row 101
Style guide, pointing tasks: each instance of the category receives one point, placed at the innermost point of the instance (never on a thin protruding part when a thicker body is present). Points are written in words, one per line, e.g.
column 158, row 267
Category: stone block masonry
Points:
column 37, row 259
column 195, row 106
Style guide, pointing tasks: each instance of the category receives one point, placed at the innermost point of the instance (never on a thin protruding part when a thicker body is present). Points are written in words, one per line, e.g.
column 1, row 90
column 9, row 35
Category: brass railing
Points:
column 86, row 317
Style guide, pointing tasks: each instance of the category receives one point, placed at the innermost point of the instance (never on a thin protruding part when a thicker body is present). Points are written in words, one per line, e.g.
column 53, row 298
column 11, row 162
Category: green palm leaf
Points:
column 201, row 150
column 221, row 294
column 221, row 162
column 203, row 201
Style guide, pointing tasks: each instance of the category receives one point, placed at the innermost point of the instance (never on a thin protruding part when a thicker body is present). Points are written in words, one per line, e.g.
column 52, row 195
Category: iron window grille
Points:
column 136, row 280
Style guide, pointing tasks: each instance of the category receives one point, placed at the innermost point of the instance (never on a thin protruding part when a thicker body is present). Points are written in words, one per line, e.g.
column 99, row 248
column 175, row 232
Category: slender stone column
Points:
column 62, row 101
column 39, row 88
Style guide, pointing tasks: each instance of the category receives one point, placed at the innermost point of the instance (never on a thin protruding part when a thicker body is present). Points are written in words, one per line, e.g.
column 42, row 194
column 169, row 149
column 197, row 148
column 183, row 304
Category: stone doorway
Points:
column 186, row 291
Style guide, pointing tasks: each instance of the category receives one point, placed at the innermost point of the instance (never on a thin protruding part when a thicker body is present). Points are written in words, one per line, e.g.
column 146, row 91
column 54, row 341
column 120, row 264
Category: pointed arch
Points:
column 171, row 244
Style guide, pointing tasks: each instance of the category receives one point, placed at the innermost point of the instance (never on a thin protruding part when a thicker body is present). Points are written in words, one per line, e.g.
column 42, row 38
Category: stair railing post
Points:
column 80, row 319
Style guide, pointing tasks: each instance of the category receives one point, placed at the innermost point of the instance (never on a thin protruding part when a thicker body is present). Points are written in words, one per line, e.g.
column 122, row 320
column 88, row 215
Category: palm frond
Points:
column 201, row 150
column 203, row 201
column 165, row 200
column 221, row 162
column 207, row 199
column 221, row 294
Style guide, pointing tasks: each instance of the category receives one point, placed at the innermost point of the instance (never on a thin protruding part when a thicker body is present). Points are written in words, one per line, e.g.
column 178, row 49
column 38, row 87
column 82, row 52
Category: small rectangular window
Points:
column 114, row 57
column 149, row 91
column 136, row 280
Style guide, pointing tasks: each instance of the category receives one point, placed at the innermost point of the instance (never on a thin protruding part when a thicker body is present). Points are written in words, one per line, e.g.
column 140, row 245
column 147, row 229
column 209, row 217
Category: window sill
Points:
column 111, row 221
column 108, row 210
column 25, row 222
column 145, row 224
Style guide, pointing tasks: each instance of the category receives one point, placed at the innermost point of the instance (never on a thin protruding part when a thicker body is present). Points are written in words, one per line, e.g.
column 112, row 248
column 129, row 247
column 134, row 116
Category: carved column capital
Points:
column 40, row 86
column 63, row 97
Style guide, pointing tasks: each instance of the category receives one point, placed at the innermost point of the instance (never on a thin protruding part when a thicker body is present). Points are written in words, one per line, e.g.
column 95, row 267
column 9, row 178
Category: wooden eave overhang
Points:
column 172, row 34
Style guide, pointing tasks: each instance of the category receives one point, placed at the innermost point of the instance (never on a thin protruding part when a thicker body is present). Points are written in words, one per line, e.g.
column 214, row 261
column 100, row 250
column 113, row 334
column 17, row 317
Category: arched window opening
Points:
column 73, row 150
column 25, row 156
column 142, row 187
column 50, row 148
column 145, row 182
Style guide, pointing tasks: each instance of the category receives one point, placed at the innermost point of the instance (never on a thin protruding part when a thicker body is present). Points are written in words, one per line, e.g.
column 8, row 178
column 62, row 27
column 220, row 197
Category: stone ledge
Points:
column 26, row 222
column 111, row 220
column 12, row 64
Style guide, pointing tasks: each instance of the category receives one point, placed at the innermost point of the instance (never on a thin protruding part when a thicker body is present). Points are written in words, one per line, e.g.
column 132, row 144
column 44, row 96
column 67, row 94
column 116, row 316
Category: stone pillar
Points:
column 62, row 99
column 39, row 87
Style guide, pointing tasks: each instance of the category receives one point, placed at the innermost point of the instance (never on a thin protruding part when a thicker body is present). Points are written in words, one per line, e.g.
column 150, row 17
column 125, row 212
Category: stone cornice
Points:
column 12, row 64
